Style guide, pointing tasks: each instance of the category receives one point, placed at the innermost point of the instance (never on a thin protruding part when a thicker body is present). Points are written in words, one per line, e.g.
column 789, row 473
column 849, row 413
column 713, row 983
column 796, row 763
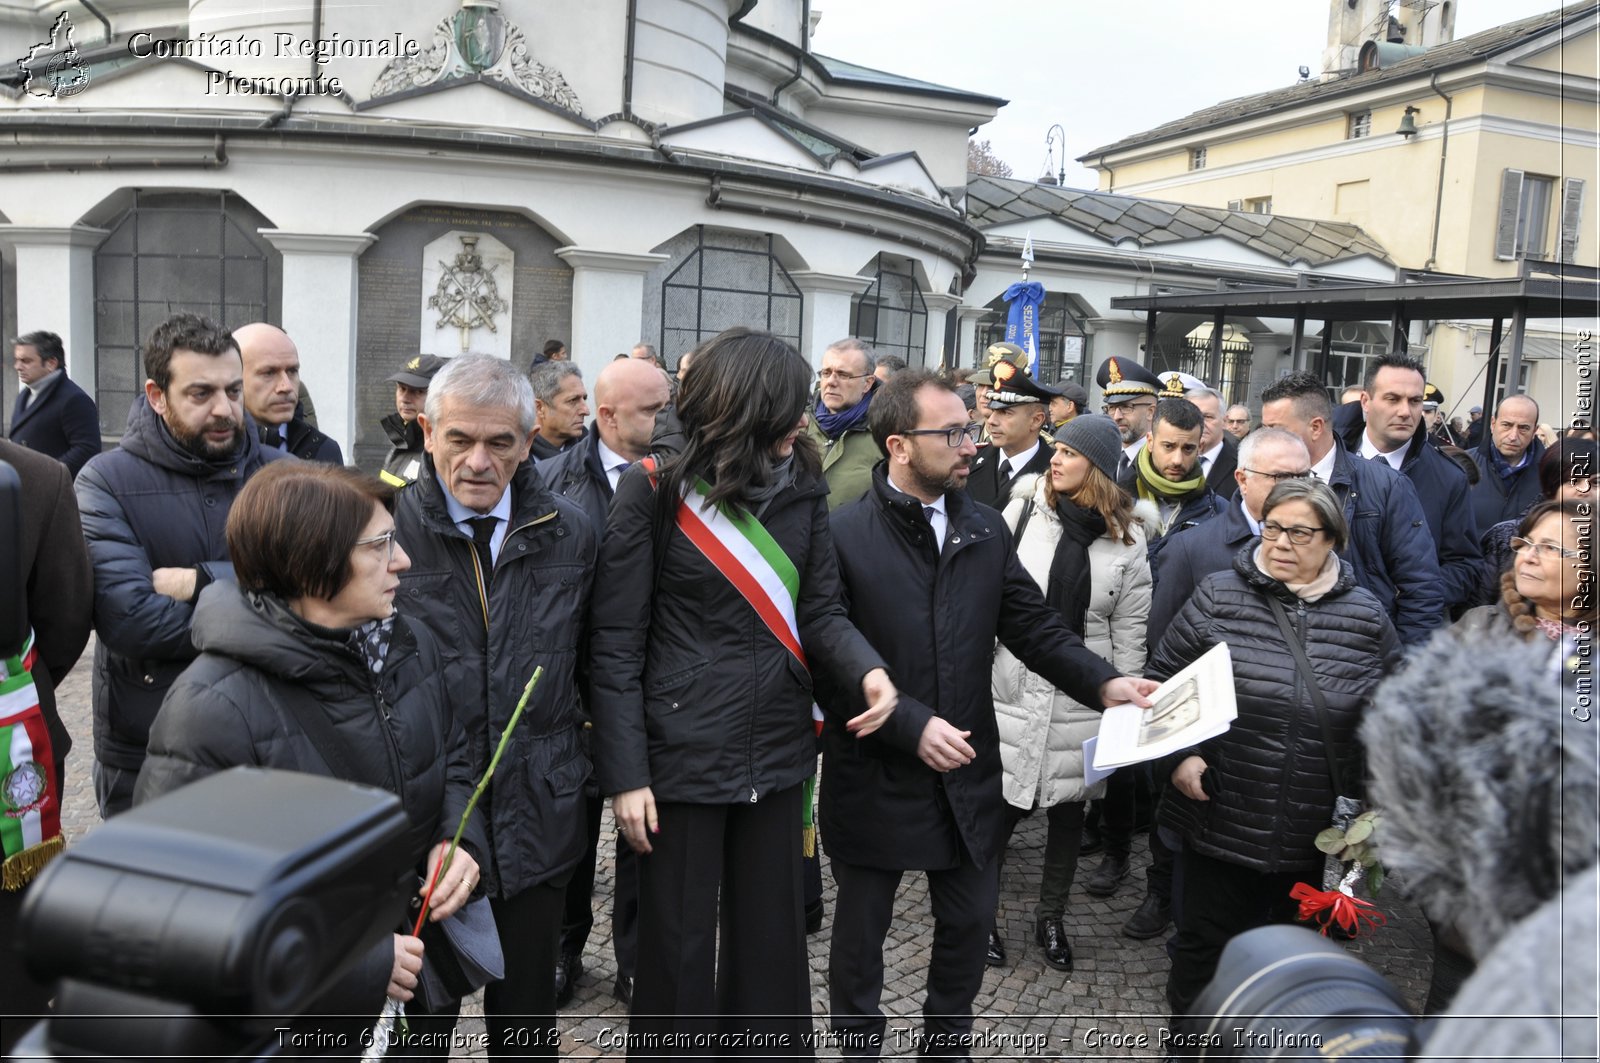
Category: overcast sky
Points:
column 1102, row 70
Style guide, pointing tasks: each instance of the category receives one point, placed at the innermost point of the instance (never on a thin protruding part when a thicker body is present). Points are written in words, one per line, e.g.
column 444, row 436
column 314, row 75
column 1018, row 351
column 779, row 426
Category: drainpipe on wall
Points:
column 1444, row 152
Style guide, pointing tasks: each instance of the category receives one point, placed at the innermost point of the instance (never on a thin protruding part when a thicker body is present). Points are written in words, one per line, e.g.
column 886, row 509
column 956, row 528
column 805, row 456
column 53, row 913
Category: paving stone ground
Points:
column 1114, row 996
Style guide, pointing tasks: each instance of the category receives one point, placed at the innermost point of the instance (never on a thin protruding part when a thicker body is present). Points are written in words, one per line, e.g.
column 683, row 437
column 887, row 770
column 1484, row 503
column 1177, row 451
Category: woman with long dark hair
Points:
column 716, row 598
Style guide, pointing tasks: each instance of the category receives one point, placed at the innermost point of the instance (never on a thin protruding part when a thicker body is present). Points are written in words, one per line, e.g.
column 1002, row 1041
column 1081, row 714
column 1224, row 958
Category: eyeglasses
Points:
column 386, row 540
column 1111, row 411
column 1540, row 551
column 1279, row 477
column 953, row 436
column 1299, row 534
column 840, row 375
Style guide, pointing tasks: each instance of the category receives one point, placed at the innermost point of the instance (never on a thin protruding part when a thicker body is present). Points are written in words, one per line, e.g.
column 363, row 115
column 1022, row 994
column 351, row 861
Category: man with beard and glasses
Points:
column 1129, row 391
column 931, row 578
column 154, row 512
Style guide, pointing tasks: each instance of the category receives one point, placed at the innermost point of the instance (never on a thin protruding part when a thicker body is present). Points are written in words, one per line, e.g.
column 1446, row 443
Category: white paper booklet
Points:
column 1192, row 706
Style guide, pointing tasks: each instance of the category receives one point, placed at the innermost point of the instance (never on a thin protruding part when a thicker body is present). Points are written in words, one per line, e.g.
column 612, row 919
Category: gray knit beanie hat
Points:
column 1096, row 437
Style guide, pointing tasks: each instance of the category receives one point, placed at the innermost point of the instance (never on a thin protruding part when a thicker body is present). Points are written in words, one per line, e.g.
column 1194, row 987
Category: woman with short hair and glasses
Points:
column 310, row 627
column 1550, row 586
column 1248, row 803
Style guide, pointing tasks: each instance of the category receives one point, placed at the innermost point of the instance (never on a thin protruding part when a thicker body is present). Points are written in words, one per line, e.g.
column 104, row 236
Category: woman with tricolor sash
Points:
column 716, row 605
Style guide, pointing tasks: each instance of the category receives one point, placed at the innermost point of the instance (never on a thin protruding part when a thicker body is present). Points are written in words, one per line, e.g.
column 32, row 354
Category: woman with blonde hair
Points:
column 1077, row 537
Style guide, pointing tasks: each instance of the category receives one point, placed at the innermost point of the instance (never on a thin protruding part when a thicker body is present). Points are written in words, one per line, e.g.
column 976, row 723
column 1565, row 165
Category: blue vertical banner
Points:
column 1022, row 322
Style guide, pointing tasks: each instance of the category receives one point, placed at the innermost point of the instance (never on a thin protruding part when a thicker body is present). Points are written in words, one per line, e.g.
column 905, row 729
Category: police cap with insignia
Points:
column 418, row 372
column 1176, row 385
column 1432, row 397
column 999, row 352
column 1123, row 380
column 1014, row 387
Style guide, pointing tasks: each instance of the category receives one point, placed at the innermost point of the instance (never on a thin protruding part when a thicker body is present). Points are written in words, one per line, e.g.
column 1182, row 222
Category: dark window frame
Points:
column 871, row 303
column 776, row 275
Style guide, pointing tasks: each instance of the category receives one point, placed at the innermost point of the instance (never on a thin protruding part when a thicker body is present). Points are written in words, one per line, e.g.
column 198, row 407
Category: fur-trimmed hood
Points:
column 1487, row 784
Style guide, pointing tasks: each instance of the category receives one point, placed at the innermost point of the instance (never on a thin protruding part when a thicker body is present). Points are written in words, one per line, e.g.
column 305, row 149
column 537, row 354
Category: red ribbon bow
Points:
column 1329, row 907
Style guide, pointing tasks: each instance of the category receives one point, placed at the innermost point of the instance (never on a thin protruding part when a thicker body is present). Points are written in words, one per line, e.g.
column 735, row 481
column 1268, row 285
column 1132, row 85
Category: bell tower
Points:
column 1352, row 23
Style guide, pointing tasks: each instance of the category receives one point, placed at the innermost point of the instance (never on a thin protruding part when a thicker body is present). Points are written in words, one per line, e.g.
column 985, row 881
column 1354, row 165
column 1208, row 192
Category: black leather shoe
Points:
column 1104, row 880
column 622, row 989
column 1152, row 917
column 569, row 968
column 1093, row 841
column 996, row 955
column 1053, row 937
column 814, row 916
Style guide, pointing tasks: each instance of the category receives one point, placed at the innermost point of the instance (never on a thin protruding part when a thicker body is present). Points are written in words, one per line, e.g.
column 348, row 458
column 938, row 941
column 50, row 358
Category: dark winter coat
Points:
column 232, row 706
column 306, row 442
column 1494, row 499
column 404, row 462
column 984, row 483
column 150, row 504
column 1442, row 489
column 494, row 629
column 1190, row 557
column 578, row 475
column 1220, row 476
column 692, row 695
column 57, row 580
column 1267, row 775
column 1391, row 549
column 62, row 423
column 935, row 617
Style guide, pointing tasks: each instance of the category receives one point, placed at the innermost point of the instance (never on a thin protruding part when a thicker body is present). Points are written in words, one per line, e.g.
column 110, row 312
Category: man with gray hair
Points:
column 838, row 420
column 1237, row 420
column 1219, row 454
column 500, row 570
column 560, row 404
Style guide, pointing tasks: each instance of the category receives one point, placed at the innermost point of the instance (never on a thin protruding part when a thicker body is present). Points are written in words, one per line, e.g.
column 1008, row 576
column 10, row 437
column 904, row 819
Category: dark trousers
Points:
column 577, row 913
column 1219, row 900
column 1063, row 836
column 758, row 982
column 519, row 1011
column 113, row 788
column 625, row 910
column 1117, row 810
column 963, row 900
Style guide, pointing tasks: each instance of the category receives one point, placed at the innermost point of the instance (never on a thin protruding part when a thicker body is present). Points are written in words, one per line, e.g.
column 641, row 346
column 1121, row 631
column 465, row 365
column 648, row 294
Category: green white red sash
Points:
column 30, row 813
column 739, row 547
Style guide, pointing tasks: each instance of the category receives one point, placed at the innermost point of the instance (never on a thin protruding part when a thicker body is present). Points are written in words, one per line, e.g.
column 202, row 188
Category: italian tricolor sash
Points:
column 30, row 814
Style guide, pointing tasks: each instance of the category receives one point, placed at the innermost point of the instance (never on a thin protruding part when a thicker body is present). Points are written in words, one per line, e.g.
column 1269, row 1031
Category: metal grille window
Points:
column 1360, row 125
column 1197, row 158
column 891, row 315
column 718, row 286
column 1355, row 345
column 172, row 252
column 1063, row 354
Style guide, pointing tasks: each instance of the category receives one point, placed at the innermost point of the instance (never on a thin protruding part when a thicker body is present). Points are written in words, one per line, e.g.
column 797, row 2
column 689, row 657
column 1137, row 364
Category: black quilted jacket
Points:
column 1268, row 774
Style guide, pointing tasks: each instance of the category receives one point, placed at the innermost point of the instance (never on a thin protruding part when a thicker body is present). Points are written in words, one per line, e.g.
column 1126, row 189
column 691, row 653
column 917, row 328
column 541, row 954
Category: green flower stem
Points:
column 483, row 783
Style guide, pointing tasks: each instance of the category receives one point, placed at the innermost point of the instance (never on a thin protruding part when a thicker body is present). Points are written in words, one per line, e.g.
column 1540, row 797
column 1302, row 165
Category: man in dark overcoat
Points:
column 931, row 578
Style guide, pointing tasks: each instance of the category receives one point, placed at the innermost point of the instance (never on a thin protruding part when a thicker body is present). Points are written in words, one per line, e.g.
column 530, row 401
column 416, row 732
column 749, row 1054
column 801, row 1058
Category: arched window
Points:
column 171, row 252
column 890, row 315
column 727, row 279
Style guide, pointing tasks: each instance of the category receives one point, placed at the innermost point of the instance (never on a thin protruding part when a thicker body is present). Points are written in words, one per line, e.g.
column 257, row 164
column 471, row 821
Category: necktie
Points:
column 929, row 511
column 27, row 397
column 1005, row 469
column 1123, row 465
column 482, row 535
column 1380, row 459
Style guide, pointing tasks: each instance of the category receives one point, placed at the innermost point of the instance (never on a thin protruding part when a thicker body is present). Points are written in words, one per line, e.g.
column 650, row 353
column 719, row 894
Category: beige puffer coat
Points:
column 1041, row 729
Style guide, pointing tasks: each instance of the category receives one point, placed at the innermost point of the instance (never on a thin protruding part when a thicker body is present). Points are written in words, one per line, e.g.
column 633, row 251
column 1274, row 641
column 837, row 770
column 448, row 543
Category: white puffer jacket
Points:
column 1041, row 729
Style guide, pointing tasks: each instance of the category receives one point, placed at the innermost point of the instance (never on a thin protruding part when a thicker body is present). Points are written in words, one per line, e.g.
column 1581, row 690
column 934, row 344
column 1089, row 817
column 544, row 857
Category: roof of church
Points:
column 1456, row 53
column 994, row 201
column 839, row 70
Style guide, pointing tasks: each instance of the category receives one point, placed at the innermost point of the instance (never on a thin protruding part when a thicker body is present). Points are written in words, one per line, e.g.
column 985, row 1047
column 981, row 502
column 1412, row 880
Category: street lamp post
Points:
column 1059, row 178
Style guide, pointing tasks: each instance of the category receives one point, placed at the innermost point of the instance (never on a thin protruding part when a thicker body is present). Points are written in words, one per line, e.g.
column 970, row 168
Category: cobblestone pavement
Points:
column 1114, row 996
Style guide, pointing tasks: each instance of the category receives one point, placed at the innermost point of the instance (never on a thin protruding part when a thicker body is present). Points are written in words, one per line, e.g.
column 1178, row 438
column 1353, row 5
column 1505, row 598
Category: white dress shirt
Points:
column 461, row 515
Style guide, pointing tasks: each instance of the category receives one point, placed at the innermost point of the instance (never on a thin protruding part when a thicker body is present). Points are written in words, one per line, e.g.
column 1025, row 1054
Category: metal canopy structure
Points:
column 1540, row 290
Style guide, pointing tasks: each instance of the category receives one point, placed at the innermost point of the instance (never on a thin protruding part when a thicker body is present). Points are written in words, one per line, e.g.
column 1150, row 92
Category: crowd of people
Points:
column 936, row 581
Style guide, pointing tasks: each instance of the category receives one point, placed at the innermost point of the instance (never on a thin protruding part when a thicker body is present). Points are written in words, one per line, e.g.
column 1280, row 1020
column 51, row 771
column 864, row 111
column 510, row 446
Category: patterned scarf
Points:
column 371, row 641
column 1152, row 485
column 834, row 425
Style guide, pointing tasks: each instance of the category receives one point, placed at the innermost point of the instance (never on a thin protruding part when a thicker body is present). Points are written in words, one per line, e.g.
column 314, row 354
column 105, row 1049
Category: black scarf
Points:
column 1068, row 590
